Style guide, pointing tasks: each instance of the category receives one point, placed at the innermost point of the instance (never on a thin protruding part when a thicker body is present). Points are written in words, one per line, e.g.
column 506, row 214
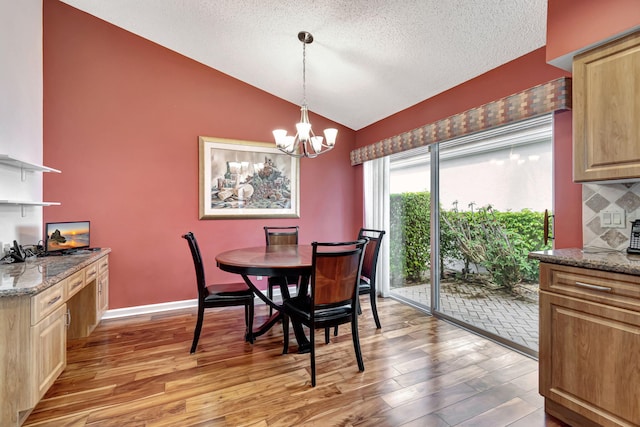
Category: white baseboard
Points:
column 165, row 306
column 151, row 308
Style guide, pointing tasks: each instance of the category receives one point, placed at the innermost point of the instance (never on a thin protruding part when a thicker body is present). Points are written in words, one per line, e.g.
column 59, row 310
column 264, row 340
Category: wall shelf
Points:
column 24, row 168
column 25, row 203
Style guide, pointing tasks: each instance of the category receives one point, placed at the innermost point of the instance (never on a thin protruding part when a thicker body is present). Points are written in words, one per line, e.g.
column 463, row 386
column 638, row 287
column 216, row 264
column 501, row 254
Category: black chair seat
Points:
column 301, row 307
column 364, row 287
column 229, row 290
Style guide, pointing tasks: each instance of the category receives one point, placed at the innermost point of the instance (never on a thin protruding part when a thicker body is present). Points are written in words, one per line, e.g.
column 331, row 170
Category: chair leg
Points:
column 248, row 313
column 326, row 335
column 270, row 296
column 374, row 308
column 313, row 355
column 196, row 332
column 356, row 343
column 335, row 331
column 285, row 332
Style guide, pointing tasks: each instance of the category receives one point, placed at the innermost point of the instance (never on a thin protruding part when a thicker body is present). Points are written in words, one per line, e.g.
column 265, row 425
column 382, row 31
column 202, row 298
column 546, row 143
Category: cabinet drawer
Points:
column 75, row 282
column 103, row 265
column 47, row 301
column 91, row 272
column 615, row 289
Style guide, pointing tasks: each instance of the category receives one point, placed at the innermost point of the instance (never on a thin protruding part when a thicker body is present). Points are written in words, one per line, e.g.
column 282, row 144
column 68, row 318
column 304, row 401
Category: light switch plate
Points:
column 613, row 218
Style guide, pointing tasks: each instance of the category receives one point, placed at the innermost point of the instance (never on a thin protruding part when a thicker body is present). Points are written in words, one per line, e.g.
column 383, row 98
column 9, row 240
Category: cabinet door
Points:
column 102, row 299
column 589, row 358
column 606, row 107
column 49, row 352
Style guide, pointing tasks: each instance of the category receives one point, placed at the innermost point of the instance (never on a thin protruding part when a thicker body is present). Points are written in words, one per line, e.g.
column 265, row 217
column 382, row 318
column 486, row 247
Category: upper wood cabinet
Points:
column 606, row 112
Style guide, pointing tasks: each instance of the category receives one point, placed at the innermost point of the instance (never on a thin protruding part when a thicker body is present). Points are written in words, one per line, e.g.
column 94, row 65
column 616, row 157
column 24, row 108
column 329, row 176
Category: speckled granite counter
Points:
column 37, row 274
column 619, row 262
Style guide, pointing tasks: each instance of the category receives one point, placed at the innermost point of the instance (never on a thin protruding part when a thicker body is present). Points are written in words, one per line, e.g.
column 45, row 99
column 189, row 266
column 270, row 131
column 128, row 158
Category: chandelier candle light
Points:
column 305, row 143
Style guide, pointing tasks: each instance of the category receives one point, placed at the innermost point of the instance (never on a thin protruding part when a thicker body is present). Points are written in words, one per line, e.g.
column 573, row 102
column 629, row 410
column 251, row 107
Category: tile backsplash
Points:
column 604, row 203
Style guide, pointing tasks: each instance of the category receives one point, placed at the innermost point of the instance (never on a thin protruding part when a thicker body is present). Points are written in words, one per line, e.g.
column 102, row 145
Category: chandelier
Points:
column 305, row 143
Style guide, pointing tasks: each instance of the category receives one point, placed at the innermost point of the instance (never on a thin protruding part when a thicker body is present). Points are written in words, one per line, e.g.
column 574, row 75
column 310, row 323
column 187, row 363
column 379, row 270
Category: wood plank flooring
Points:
column 419, row 371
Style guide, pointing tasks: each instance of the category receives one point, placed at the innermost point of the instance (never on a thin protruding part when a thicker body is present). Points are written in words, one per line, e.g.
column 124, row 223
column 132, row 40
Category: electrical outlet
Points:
column 259, row 277
column 6, row 248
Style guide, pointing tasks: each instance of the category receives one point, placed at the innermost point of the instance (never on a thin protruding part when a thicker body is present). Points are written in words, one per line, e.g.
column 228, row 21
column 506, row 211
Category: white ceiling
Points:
column 370, row 58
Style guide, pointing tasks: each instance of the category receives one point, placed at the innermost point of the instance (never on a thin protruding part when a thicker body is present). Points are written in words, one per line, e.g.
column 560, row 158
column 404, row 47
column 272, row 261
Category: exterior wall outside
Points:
column 488, row 178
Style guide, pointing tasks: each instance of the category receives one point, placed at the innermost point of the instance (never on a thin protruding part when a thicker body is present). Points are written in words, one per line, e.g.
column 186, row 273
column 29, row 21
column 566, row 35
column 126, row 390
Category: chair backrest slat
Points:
column 335, row 273
column 281, row 235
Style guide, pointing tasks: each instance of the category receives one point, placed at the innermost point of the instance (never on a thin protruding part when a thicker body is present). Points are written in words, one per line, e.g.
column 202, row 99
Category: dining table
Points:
column 272, row 261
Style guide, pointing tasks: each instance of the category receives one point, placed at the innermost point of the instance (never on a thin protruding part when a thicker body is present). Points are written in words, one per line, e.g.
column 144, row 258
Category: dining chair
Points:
column 218, row 295
column 367, row 283
column 333, row 296
column 280, row 236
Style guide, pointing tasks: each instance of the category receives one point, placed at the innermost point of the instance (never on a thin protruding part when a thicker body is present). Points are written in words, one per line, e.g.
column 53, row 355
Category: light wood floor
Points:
column 419, row 371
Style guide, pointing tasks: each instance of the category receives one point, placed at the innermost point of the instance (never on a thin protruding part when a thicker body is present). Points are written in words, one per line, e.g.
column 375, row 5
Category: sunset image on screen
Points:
column 69, row 235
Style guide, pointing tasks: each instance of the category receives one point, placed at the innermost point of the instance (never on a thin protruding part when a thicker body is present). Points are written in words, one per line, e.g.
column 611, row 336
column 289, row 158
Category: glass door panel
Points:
column 409, row 237
column 493, row 194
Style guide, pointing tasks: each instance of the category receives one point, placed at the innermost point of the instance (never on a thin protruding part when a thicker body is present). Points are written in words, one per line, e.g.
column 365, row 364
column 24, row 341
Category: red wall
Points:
column 567, row 196
column 122, row 118
column 573, row 25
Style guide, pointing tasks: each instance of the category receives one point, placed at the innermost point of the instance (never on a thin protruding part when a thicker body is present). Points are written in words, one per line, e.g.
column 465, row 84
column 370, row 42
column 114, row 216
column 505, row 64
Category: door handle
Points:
column 545, row 226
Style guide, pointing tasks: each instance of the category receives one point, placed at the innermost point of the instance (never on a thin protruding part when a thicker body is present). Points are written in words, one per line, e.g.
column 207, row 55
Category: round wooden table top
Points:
column 267, row 260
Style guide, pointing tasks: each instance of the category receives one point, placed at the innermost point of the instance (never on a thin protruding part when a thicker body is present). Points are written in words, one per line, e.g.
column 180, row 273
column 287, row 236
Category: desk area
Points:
column 43, row 302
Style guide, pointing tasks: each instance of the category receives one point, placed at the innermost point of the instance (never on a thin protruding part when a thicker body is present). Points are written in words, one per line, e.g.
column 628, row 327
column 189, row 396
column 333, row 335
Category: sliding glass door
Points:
column 465, row 214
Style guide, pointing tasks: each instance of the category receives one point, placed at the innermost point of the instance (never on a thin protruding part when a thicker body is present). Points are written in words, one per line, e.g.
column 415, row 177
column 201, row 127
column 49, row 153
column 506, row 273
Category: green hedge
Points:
column 499, row 241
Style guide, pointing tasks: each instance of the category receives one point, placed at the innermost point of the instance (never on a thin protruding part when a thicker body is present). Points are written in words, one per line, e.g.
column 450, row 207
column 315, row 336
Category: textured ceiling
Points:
column 370, row 58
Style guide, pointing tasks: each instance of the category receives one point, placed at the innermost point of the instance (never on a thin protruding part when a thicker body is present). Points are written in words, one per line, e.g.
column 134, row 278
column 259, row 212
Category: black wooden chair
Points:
column 218, row 295
column 280, row 236
column 333, row 298
column 367, row 284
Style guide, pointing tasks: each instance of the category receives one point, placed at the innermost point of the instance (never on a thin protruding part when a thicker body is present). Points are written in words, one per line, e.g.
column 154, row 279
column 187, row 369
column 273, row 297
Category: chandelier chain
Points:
column 304, row 73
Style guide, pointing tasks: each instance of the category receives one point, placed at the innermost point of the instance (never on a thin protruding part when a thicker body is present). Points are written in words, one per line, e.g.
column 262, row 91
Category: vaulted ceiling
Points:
column 369, row 59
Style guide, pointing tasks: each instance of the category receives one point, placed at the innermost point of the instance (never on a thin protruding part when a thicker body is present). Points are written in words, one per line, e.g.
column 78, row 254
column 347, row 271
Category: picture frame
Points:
column 247, row 179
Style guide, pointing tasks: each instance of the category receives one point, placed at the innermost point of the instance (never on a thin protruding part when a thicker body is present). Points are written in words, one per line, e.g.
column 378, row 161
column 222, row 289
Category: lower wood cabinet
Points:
column 590, row 346
column 33, row 335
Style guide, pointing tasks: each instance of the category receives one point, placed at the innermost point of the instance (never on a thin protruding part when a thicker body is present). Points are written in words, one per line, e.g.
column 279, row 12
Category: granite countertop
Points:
column 39, row 273
column 597, row 259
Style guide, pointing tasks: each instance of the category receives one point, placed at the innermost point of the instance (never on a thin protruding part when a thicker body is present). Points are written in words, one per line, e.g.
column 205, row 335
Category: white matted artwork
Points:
column 246, row 179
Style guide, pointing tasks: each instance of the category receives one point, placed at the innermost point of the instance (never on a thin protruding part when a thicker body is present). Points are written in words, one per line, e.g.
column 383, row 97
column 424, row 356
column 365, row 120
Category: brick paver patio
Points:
column 510, row 317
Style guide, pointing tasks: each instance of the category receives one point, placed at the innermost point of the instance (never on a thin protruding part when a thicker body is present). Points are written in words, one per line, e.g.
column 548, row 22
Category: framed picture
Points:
column 245, row 179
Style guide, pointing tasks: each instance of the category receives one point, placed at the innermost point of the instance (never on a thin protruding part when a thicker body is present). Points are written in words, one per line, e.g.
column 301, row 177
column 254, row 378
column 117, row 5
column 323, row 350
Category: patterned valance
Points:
column 542, row 99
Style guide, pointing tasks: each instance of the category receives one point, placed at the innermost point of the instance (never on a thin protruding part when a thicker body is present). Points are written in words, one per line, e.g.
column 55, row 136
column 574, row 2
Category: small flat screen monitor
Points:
column 67, row 236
